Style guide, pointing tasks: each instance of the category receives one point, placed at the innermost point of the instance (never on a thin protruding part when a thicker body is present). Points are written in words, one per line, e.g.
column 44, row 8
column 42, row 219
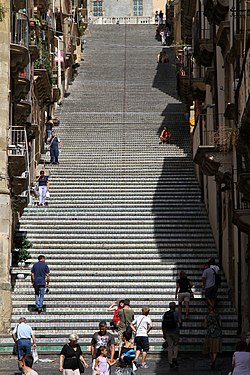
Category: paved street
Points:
column 189, row 365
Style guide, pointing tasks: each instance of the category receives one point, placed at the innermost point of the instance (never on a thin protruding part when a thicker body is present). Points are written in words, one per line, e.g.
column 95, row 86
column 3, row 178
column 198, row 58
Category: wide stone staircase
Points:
column 125, row 214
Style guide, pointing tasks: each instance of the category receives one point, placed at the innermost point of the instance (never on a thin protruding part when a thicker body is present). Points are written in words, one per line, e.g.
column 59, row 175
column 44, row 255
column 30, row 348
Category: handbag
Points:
column 34, row 355
column 81, row 366
column 15, row 350
column 47, row 194
column 15, row 347
column 128, row 329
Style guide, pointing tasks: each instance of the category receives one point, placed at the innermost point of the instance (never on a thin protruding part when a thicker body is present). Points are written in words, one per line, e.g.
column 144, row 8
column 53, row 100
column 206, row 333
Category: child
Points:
column 102, row 363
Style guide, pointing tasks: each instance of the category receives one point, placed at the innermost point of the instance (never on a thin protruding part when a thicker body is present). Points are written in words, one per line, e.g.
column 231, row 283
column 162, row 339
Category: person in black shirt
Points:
column 183, row 290
column 70, row 356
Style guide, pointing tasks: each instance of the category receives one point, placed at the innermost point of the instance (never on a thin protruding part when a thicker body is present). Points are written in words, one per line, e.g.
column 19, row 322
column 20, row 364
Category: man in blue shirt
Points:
column 23, row 334
column 40, row 280
column 54, row 143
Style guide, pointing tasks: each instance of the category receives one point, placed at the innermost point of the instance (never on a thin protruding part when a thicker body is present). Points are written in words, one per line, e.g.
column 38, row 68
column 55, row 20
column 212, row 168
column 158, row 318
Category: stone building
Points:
column 110, row 10
column 213, row 80
column 40, row 50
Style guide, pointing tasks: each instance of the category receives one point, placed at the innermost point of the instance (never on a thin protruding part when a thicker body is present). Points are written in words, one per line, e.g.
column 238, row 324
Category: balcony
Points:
column 22, row 111
column 20, row 183
column 42, row 85
column 184, row 86
column 241, row 214
column 216, row 11
column 204, row 52
column 19, row 58
column 55, row 94
column 17, row 151
column 198, row 89
column 222, row 37
column 241, row 218
column 21, row 85
column 19, row 54
column 212, row 152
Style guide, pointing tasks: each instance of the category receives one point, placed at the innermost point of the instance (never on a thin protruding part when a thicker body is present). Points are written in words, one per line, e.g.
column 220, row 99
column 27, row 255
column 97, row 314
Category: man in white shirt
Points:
column 141, row 326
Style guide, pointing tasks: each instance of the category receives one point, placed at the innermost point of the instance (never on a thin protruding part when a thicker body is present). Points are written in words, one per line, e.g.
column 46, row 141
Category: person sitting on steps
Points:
column 165, row 136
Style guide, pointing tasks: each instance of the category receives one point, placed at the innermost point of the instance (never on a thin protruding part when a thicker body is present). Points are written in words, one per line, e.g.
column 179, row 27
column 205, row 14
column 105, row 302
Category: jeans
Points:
column 39, row 294
column 42, row 194
column 54, row 152
column 23, row 347
column 173, row 341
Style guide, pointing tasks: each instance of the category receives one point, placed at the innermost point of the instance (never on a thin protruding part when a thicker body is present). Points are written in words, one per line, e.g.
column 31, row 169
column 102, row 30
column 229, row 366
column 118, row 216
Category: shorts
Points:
column 211, row 292
column 142, row 343
column 185, row 296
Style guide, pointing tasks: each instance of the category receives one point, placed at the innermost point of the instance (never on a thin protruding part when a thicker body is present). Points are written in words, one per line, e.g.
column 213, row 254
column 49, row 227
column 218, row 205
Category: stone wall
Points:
column 5, row 203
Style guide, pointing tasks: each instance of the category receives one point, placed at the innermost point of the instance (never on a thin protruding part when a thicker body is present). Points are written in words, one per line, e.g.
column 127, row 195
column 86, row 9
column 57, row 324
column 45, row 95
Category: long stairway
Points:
column 125, row 214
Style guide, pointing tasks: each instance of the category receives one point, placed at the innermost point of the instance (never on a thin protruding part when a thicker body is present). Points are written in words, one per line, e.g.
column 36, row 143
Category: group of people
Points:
column 132, row 331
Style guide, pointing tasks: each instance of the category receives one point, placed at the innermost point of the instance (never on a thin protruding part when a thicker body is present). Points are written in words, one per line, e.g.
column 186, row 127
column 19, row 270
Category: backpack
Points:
column 168, row 320
column 217, row 278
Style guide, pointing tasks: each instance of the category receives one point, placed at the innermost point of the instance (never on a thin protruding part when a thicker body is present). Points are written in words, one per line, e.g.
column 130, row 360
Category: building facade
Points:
column 41, row 49
column 213, row 81
column 106, row 9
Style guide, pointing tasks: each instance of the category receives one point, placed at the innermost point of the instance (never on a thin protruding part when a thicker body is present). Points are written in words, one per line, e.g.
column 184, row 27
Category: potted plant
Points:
column 21, row 253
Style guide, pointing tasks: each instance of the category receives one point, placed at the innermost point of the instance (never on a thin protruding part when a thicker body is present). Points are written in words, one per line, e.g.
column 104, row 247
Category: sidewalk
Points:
column 189, row 364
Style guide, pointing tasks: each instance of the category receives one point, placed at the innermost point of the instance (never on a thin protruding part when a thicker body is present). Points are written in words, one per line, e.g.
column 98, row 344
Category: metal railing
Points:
column 20, row 29
column 18, row 146
column 134, row 20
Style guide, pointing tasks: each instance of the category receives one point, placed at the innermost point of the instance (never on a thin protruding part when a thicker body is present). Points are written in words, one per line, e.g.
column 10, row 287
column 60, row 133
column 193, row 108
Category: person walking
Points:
column 71, row 357
column 126, row 356
column 99, row 339
column 213, row 341
column 23, row 334
column 43, row 187
column 156, row 18
column 49, row 126
column 183, row 289
column 26, row 363
column 241, row 359
column 102, row 363
column 170, row 329
column 116, row 319
column 208, row 283
column 161, row 17
column 40, row 278
column 126, row 316
column 54, row 142
column 141, row 326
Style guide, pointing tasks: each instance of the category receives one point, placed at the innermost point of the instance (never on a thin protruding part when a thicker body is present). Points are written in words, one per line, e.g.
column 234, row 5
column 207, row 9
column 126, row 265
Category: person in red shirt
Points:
column 164, row 136
column 116, row 319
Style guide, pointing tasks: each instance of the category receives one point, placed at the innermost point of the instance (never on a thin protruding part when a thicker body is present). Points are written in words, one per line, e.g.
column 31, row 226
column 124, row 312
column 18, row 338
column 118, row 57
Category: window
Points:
column 138, row 7
column 97, row 8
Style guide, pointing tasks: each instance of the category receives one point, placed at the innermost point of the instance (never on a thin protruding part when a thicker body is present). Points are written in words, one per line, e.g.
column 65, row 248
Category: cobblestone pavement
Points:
column 189, row 365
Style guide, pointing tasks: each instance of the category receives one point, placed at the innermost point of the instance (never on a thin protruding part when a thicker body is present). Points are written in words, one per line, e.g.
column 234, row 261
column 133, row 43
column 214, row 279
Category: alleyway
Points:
column 124, row 215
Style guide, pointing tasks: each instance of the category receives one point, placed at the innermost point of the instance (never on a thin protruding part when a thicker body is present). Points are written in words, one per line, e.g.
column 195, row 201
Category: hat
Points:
column 172, row 305
column 73, row 337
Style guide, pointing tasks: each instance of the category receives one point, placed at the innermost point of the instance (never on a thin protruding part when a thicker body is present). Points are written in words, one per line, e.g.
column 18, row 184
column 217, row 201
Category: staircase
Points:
column 125, row 214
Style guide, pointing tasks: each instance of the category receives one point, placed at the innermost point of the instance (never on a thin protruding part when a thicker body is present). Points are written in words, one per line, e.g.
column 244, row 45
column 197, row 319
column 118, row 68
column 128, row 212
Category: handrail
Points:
column 133, row 20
